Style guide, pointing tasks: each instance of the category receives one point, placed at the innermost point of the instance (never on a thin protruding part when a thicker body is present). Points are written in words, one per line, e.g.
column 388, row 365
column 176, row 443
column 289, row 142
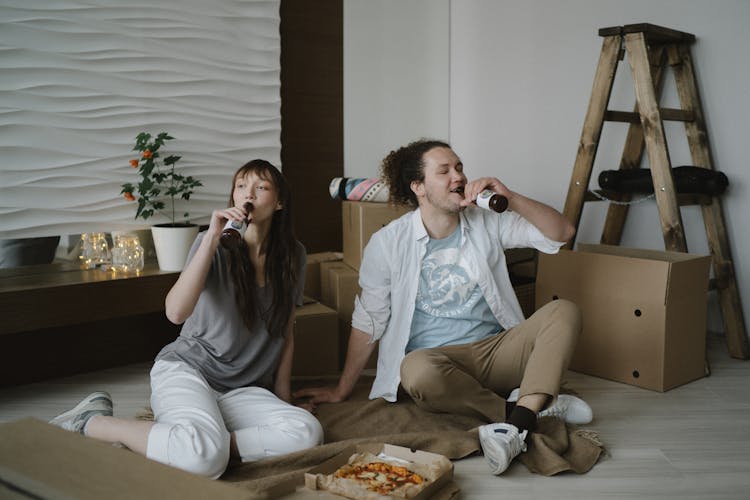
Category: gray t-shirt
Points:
column 214, row 339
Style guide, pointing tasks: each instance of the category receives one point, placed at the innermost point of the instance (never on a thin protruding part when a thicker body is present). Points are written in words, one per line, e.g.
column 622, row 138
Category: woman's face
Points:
column 261, row 192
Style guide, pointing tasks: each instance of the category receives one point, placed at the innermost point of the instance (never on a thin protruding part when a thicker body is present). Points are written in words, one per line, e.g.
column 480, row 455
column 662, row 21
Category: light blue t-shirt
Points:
column 450, row 308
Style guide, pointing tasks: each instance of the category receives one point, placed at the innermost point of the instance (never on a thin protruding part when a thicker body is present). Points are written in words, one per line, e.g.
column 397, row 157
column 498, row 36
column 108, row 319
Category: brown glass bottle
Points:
column 234, row 230
column 490, row 200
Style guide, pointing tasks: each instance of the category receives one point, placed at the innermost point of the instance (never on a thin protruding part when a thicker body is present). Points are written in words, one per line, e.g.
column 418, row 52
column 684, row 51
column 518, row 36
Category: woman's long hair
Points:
column 280, row 249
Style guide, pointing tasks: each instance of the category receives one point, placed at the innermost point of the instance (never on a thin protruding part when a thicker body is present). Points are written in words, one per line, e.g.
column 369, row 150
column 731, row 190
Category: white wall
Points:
column 520, row 77
column 396, row 84
column 80, row 79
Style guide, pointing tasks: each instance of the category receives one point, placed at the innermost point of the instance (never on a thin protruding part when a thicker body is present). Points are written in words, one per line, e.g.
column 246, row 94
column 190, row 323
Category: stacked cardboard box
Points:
column 316, row 341
column 339, row 287
column 312, row 273
column 360, row 221
column 316, row 327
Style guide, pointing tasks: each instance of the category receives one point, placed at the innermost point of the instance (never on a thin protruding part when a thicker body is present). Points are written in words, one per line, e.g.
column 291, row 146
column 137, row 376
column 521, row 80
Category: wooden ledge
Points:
column 36, row 297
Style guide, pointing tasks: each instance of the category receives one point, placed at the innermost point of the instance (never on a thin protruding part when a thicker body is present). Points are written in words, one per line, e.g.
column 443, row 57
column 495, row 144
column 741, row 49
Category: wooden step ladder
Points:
column 649, row 48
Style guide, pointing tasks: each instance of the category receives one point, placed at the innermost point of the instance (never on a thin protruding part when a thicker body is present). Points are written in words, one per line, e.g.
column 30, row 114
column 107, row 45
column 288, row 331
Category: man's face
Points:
column 444, row 181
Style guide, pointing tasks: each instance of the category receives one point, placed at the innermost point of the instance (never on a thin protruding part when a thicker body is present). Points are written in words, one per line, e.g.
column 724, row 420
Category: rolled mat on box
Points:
column 358, row 189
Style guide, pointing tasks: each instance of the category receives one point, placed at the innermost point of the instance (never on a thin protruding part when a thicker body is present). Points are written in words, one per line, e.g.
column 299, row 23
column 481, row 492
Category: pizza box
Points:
column 442, row 488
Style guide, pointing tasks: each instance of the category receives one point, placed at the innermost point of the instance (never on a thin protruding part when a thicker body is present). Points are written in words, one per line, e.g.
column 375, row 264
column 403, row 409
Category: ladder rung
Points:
column 671, row 114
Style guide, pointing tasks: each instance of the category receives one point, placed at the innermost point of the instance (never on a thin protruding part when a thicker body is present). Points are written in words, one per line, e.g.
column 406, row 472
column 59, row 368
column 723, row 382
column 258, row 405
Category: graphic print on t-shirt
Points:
column 448, row 289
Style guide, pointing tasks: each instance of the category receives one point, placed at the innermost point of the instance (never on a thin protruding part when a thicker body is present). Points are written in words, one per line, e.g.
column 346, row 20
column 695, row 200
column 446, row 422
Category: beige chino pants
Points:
column 473, row 379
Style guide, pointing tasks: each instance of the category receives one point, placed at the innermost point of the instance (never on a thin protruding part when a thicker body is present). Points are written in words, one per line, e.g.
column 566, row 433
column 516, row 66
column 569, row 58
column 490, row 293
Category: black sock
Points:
column 509, row 406
column 523, row 418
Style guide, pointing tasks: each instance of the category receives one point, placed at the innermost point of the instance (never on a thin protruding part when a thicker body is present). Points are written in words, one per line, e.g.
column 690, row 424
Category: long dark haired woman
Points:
column 222, row 388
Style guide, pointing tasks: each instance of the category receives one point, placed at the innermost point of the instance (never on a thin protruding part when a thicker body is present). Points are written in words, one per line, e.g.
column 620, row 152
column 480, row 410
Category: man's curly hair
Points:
column 405, row 165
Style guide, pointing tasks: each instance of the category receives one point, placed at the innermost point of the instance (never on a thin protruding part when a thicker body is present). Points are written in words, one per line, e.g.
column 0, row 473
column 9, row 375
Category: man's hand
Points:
column 473, row 188
column 317, row 395
column 358, row 353
column 305, row 406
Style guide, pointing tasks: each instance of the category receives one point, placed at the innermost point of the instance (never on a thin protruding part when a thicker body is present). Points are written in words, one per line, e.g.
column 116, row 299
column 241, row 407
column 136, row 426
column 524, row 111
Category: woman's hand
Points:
column 220, row 217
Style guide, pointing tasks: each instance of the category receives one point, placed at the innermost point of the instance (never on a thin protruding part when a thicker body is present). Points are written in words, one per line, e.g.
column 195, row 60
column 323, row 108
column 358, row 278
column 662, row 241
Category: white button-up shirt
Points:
column 389, row 278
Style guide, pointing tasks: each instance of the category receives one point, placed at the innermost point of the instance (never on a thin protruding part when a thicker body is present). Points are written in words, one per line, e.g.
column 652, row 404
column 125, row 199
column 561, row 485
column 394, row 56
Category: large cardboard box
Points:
column 316, row 341
column 442, row 488
column 38, row 460
column 644, row 311
column 360, row 220
column 312, row 271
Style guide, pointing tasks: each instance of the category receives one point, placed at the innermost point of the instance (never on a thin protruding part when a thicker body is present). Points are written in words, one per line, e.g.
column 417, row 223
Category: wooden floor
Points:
column 692, row 442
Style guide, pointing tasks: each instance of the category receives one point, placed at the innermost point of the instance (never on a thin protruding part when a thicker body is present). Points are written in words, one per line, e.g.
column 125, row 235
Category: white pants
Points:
column 194, row 422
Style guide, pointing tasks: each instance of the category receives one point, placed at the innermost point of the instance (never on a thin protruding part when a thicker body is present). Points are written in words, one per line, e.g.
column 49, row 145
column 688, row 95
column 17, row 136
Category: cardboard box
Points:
column 525, row 294
column 443, row 488
column 312, row 271
column 521, row 264
column 328, row 292
column 38, row 460
column 316, row 341
column 644, row 311
column 360, row 220
column 342, row 288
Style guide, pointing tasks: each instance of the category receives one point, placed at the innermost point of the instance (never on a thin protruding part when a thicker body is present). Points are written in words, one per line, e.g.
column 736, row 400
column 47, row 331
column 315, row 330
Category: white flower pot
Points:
column 173, row 244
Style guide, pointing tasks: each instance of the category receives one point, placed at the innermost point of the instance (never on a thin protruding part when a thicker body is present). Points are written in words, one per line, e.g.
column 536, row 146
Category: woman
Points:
column 222, row 388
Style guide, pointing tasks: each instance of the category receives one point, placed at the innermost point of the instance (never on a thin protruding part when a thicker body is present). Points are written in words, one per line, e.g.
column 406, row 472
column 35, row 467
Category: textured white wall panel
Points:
column 79, row 80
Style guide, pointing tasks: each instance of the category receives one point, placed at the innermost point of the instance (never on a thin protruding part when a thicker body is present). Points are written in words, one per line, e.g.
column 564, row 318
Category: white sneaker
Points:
column 96, row 403
column 501, row 443
column 569, row 408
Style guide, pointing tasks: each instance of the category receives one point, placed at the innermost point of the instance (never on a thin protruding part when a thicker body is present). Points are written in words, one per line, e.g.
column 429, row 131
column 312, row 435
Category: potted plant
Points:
column 159, row 188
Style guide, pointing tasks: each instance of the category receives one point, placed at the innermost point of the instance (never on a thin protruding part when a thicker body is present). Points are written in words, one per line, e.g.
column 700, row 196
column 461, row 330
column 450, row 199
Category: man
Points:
column 436, row 295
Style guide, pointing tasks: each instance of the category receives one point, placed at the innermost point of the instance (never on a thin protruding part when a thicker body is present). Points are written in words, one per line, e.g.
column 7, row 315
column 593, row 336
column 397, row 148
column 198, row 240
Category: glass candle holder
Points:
column 94, row 251
column 127, row 254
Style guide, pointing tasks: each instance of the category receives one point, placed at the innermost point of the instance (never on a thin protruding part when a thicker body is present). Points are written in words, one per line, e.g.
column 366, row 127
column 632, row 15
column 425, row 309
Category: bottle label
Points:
column 483, row 200
column 238, row 225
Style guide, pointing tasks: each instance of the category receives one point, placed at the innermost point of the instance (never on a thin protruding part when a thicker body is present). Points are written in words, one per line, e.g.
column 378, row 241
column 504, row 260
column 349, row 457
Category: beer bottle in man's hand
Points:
column 490, row 200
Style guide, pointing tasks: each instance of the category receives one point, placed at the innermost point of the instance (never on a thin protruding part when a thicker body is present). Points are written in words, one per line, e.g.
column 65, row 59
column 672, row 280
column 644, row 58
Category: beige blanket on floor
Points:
column 554, row 447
